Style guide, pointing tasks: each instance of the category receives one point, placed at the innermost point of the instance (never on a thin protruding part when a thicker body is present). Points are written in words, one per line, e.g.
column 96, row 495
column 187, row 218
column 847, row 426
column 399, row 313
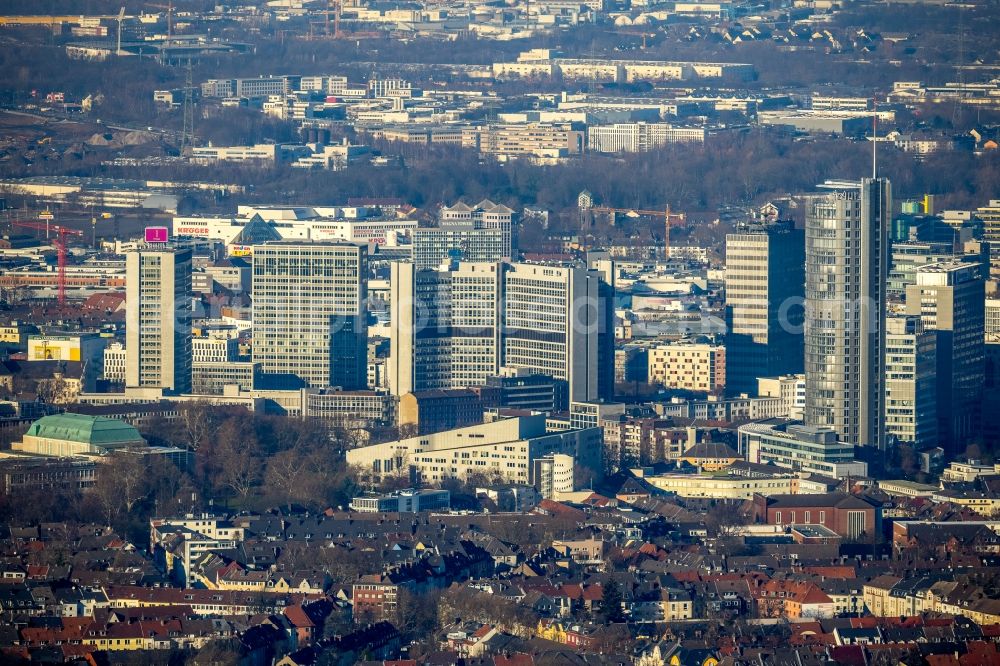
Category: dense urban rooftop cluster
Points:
column 604, row 579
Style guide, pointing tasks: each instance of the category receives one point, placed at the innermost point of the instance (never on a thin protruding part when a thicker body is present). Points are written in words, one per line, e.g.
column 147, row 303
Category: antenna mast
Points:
column 187, row 136
column 874, row 137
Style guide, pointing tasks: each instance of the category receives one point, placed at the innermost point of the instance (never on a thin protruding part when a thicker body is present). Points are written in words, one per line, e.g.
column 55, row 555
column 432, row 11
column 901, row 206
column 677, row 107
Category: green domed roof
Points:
column 96, row 430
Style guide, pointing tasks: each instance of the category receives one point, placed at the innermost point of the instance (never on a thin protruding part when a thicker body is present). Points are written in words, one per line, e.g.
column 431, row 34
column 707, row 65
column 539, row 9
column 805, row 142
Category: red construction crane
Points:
column 669, row 218
column 60, row 242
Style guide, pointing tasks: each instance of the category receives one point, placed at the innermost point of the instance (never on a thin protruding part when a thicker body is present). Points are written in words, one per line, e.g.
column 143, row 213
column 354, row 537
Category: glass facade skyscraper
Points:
column 846, row 268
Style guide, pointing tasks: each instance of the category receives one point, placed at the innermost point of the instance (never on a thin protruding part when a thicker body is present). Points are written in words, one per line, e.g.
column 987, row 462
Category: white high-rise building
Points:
column 910, row 382
column 484, row 215
column 309, row 312
column 992, row 315
column 846, row 267
column 454, row 327
column 158, row 319
column 433, row 246
column 114, row 363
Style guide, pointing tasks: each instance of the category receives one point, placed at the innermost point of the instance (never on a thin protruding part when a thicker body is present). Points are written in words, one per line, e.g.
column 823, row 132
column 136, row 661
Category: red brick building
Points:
column 375, row 598
column 849, row 516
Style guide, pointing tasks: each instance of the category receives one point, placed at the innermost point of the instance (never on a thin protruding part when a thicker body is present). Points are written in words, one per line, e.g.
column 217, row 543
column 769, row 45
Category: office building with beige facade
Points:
column 691, row 366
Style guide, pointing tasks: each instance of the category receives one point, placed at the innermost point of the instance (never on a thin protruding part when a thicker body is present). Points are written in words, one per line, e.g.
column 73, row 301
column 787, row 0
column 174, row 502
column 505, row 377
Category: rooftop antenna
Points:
column 874, row 137
column 961, row 64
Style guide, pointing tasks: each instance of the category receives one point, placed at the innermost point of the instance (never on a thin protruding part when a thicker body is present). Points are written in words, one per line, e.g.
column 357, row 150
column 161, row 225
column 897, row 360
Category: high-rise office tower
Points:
column 309, row 312
column 905, row 258
column 158, row 319
column 910, row 381
column 445, row 326
column 483, row 215
column 455, row 327
column 990, row 216
column 483, row 232
column 433, row 246
column 552, row 325
column 605, row 339
column 765, row 287
column 991, row 394
column 950, row 299
column 846, row 267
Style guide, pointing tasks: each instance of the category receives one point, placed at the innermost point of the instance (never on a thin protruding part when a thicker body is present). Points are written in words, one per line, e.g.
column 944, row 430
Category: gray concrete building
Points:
column 455, row 327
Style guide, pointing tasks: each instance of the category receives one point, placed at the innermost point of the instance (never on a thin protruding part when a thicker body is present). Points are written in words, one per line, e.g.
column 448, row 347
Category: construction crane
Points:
column 60, row 242
column 121, row 17
column 336, row 19
column 93, row 227
column 333, row 7
column 669, row 219
column 635, row 33
column 170, row 17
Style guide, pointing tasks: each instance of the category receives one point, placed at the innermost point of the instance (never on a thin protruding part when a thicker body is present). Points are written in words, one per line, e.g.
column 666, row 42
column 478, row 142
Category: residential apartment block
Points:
column 629, row 442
